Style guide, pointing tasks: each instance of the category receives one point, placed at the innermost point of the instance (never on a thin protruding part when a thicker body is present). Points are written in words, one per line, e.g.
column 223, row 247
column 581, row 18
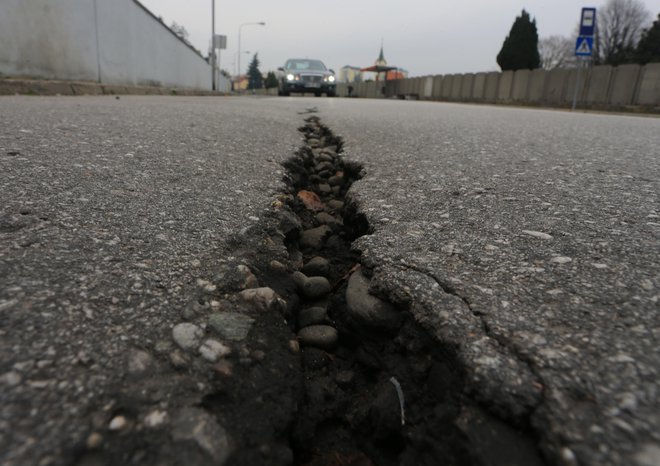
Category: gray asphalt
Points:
column 110, row 212
column 527, row 238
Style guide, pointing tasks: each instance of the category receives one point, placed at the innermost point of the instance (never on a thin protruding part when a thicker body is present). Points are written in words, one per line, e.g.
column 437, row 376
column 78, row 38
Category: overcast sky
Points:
column 422, row 36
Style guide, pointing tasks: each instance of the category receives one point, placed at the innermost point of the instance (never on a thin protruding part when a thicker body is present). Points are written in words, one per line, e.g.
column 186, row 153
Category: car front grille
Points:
column 311, row 79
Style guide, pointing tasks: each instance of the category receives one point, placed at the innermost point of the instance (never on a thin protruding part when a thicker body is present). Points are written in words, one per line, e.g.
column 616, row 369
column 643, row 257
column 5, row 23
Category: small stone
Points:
column 263, row 298
column 335, row 204
column 325, row 157
column 163, row 346
column 294, row 346
column 139, row 362
column 327, row 219
column 249, row 280
column 335, row 180
column 94, row 440
column 178, row 360
column 367, row 308
column 155, row 418
column 314, row 237
column 561, row 260
column 224, row 368
column 321, row 166
column 11, row 378
column 317, row 267
column 117, row 423
column 277, row 267
column 537, row 234
column 312, row 316
column 187, row 335
column 212, row 350
column 195, row 424
column 235, row 277
column 232, row 326
column 325, row 188
column 312, row 287
column 318, row 336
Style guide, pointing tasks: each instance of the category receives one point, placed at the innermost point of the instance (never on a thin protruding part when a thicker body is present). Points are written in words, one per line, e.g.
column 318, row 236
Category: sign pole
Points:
column 584, row 46
column 577, row 84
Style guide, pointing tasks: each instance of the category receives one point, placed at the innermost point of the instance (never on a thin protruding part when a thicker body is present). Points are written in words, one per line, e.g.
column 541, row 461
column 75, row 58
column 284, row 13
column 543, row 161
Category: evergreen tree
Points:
column 648, row 48
column 255, row 80
column 271, row 80
column 520, row 49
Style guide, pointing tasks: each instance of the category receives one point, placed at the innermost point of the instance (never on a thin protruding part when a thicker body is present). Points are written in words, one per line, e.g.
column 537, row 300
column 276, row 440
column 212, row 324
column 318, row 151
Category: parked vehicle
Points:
column 305, row 75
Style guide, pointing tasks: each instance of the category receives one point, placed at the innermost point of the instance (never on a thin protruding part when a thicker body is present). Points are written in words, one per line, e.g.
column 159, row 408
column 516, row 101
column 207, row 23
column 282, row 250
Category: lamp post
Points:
column 213, row 44
column 233, row 63
column 260, row 23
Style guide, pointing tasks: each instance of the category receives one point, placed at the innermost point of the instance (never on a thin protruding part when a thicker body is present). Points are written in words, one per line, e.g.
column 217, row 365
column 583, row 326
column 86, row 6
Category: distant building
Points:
column 349, row 74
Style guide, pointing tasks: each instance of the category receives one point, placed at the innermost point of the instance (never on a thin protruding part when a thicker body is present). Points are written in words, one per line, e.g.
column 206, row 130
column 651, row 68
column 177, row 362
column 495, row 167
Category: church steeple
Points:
column 381, row 57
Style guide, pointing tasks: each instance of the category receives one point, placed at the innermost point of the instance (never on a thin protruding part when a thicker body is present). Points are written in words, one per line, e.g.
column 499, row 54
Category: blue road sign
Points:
column 584, row 46
column 588, row 22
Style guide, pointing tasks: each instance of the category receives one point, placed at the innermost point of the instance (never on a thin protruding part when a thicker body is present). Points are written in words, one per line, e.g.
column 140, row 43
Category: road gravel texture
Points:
column 530, row 240
column 527, row 239
column 114, row 215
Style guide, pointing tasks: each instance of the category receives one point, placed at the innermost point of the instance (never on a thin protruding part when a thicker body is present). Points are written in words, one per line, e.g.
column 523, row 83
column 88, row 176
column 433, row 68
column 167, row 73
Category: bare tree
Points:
column 556, row 52
column 180, row 31
column 620, row 25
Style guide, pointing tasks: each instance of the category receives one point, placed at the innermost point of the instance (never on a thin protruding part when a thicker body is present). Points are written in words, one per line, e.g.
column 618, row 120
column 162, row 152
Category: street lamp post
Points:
column 260, row 23
column 213, row 45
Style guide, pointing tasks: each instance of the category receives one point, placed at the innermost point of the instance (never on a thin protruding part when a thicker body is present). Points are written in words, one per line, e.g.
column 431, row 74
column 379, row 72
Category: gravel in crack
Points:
column 377, row 388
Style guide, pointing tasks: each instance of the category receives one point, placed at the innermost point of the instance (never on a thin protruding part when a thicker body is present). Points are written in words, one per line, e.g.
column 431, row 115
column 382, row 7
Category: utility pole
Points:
column 213, row 86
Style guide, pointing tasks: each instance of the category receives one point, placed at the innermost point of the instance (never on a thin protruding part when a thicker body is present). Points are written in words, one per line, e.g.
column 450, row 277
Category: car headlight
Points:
column 329, row 79
column 290, row 77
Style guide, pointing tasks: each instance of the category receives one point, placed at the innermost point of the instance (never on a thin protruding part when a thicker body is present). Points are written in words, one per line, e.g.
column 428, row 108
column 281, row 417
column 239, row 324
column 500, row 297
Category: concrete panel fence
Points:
column 599, row 87
column 115, row 42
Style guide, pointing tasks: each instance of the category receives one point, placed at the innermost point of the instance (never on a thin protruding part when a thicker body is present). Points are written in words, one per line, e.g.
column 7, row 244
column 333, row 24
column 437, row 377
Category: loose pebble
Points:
column 367, row 308
column 94, row 440
column 294, row 346
column 318, row 336
column 212, row 350
column 537, row 234
column 11, row 378
column 312, row 287
column 317, row 267
column 561, row 260
column 314, row 237
column 155, row 418
column 312, row 316
column 232, row 326
column 262, row 298
column 117, row 423
column 187, row 335
column 139, row 362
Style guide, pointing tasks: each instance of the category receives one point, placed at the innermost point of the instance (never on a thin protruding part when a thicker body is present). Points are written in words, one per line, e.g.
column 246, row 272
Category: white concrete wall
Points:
column 48, row 39
column 110, row 41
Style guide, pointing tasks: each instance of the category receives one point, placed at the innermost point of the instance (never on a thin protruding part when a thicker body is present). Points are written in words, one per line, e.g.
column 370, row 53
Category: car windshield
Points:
column 305, row 65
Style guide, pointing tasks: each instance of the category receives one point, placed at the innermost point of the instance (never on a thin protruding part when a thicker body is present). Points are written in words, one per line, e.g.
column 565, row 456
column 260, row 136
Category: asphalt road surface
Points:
column 528, row 239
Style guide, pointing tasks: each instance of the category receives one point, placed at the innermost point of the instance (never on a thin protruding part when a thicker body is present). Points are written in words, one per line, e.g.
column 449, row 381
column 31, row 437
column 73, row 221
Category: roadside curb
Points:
column 49, row 87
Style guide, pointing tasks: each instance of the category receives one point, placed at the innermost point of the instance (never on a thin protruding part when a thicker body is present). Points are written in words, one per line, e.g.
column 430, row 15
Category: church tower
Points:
column 381, row 57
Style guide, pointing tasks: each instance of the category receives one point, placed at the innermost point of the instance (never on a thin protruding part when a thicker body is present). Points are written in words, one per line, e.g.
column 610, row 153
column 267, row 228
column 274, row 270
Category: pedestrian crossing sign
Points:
column 584, row 46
